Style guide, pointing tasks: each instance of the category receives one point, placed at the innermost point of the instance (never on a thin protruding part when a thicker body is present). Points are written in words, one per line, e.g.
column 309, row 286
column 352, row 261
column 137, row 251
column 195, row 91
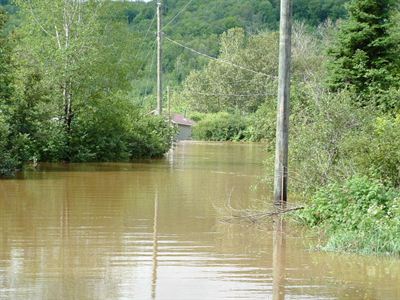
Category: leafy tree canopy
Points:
column 365, row 57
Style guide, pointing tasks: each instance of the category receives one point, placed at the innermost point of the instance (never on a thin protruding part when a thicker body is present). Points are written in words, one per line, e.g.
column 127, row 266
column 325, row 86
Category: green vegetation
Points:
column 199, row 26
column 66, row 85
column 220, row 126
column 344, row 151
column 358, row 215
column 365, row 57
column 344, row 145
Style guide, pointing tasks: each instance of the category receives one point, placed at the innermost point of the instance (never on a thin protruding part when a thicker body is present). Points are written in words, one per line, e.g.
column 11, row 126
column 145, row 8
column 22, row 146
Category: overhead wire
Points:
column 204, row 55
column 229, row 95
column 142, row 44
column 217, row 59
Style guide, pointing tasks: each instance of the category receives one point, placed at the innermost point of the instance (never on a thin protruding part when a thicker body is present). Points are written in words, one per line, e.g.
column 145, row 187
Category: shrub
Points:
column 7, row 163
column 112, row 129
column 150, row 137
column 359, row 215
column 376, row 152
column 99, row 132
column 221, row 126
column 262, row 124
column 320, row 127
column 197, row 116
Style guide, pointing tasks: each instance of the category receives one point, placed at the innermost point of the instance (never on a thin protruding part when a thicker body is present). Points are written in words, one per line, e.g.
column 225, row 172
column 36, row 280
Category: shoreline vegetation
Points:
column 73, row 89
column 345, row 121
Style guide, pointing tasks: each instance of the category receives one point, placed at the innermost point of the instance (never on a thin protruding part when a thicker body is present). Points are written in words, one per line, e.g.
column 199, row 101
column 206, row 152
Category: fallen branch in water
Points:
column 254, row 217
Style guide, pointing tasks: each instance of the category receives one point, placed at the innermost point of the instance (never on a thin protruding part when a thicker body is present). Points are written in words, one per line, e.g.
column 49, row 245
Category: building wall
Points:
column 184, row 133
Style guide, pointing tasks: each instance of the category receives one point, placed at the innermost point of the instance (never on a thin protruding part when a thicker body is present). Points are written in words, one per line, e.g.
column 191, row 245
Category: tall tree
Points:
column 60, row 38
column 5, row 59
column 78, row 52
column 365, row 57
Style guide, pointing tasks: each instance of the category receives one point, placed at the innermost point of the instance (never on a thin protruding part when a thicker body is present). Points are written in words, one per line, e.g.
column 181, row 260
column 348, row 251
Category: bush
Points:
column 359, row 215
column 99, row 132
column 321, row 126
column 376, row 151
column 262, row 124
column 221, row 126
column 197, row 116
column 113, row 129
column 150, row 137
column 8, row 164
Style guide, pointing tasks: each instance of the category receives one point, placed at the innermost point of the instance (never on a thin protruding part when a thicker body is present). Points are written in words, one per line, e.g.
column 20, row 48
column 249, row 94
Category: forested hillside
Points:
column 198, row 24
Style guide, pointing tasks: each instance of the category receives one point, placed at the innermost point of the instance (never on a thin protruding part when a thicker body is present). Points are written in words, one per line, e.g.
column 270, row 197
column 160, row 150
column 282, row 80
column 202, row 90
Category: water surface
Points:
column 150, row 230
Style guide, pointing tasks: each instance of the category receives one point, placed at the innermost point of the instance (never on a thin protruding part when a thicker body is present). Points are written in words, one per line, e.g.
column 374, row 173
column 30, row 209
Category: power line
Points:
column 232, row 81
column 181, row 11
column 218, row 59
column 229, row 95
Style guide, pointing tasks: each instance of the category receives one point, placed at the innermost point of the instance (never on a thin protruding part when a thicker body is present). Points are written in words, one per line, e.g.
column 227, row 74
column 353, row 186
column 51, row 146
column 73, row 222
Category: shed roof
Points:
column 181, row 120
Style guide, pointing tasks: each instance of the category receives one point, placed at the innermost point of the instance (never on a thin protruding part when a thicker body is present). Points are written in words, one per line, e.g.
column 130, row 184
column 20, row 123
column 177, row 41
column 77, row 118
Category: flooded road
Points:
column 150, row 230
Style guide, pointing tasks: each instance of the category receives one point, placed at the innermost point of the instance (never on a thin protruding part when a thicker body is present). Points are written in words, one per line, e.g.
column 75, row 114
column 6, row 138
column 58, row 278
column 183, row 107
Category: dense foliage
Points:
column 359, row 214
column 365, row 57
column 199, row 24
column 65, row 79
column 221, row 126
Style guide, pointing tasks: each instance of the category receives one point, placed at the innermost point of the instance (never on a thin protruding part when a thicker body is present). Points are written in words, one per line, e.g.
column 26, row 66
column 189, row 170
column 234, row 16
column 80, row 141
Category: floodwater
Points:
column 150, row 230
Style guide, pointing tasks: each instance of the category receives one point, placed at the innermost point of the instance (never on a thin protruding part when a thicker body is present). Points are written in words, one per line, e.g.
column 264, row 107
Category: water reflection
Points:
column 279, row 253
column 155, row 249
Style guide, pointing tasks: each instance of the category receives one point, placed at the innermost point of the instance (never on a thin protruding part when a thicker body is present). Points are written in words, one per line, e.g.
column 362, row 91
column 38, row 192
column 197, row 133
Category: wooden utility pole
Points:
column 159, row 58
column 282, row 127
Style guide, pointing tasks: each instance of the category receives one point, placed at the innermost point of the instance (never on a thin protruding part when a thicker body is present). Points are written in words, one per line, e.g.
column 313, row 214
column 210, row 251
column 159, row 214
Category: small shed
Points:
column 184, row 127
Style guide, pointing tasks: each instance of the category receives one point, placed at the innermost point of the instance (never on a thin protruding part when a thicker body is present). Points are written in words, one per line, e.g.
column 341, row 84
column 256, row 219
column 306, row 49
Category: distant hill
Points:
column 198, row 23
column 216, row 16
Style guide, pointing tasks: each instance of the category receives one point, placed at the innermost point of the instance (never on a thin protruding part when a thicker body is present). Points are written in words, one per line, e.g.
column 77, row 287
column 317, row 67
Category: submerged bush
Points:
column 359, row 215
column 113, row 129
column 221, row 126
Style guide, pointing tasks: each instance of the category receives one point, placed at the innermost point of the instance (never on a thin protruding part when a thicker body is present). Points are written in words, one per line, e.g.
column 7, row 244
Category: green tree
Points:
column 365, row 57
column 62, row 38
column 71, row 53
column 245, row 75
column 6, row 163
column 5, row 60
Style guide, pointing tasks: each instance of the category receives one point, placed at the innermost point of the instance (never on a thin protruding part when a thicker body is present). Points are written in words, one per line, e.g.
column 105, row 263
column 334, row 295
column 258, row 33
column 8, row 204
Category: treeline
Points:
column 65, row 78
column 344, row 124
column 198, row 24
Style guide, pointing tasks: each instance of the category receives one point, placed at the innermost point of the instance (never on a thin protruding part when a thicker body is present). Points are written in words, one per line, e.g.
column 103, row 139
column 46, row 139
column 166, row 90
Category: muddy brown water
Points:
column 150, row 230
